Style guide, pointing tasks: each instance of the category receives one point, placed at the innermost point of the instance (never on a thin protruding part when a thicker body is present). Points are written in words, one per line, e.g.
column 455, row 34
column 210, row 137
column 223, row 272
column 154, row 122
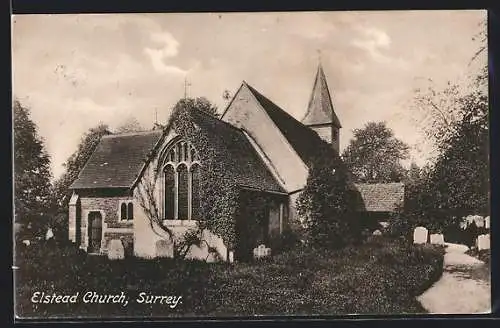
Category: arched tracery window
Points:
column 169, row 192
column 181, row 182
column 182, row 190
column 195, row 192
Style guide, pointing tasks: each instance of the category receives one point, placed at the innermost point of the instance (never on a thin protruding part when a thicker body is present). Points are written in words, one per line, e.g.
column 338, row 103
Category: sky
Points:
column 74, row 71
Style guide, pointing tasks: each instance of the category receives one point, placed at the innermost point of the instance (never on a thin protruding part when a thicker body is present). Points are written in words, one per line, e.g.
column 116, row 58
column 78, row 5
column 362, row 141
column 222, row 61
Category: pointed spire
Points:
column 320, row 108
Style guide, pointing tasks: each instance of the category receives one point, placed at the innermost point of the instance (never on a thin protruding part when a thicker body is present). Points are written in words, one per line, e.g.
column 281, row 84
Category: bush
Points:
column 328, row 203
column 288, row 240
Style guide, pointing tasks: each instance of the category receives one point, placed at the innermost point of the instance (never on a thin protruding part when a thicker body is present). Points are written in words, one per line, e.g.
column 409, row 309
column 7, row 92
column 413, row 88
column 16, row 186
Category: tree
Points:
column 31, row 170
column 200, row 103
column 374, row 154
column 461, row 172
column 75, row 163
column 328, row 203
column 436, row 108
column 61, row 193
column 130, row 125
column 457, row 182
column 413, row 174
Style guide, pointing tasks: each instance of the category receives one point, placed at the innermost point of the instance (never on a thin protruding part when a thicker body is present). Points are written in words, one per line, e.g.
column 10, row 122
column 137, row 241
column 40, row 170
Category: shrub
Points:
column 287, row 240
column 327, row 202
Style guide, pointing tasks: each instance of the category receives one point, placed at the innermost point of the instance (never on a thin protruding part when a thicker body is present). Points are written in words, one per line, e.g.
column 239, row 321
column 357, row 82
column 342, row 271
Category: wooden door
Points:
column 95, row 232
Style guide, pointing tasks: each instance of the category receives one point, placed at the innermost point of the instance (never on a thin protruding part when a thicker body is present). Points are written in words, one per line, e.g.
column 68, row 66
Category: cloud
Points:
column 169, row 49
column 373, row 42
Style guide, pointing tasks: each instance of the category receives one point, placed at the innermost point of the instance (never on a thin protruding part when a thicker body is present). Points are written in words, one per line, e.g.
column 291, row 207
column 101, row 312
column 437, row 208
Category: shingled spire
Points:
column 320, row 115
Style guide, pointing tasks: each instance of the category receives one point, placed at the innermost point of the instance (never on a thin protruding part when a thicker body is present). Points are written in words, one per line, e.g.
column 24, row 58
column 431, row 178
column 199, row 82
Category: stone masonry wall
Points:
column 112, row 227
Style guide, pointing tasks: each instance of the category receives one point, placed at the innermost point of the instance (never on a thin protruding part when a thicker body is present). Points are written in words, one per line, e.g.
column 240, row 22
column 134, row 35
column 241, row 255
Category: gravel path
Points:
column 464, row 288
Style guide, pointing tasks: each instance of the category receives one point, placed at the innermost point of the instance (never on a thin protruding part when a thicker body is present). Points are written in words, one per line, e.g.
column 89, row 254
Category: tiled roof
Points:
column 241, row 160
column 117, row 160
column 303, row 139
column 320, row 108
column 381, row 197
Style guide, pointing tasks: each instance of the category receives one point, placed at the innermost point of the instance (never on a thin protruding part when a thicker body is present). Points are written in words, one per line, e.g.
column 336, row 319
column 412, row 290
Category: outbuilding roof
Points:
column 117, row 160
column 381, row 197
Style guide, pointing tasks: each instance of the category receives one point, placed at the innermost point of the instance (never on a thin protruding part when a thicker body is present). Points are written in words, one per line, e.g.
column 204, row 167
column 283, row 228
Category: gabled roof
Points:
column 381, row 197
column 241, row 160
column 302, row 139
column 117, row 160
column 320, row 108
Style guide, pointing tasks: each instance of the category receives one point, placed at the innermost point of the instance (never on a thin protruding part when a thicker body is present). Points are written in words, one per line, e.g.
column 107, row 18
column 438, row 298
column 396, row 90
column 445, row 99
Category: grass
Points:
column 483, row 255
column 381, row 276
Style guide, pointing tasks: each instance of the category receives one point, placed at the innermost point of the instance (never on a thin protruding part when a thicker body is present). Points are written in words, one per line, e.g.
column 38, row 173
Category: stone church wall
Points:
column 112, row 227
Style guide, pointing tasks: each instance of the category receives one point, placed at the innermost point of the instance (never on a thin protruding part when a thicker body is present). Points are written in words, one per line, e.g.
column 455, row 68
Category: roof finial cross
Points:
column 186, row 85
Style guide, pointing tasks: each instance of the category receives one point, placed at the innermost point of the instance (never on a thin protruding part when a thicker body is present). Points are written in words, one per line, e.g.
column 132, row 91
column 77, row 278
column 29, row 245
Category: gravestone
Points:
column 483, row 242
column 164, row 248
column 420, row 235
column 231, row 256
column 487, row 222
column 377, row 233
column 49, row 234
column 116, row 250
column 261, row 251
column 479, row 221
column 437, row 238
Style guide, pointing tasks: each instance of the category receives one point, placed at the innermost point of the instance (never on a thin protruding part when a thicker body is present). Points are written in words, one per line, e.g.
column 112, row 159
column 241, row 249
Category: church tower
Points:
column 320, row 115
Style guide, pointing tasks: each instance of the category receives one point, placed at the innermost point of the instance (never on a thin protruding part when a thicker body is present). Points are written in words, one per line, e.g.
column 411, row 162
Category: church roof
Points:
column 320, row 108
column 117, row 160
column 241, row 160
column 302, row 139
column 381, row 197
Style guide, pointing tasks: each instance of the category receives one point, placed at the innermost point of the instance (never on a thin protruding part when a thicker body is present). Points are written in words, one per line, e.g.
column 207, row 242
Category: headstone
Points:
column 115, row 250
column 437, row 238
column 463, row 224
column 479, row 221
column 487, row 222
column 384, row 224
column 261, row 251
column 26, row 242
column 420, row 235
column 231, row 256
column 377, row 233
column 49, row 234
column 483, row 242
column 164, row 248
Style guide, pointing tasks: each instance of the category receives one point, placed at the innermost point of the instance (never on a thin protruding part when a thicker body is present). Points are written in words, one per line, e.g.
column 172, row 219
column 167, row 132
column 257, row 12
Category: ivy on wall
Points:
column 218, row 192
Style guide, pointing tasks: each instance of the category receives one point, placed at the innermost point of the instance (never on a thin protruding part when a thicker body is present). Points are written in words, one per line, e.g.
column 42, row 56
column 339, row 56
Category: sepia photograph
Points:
column 250, row 164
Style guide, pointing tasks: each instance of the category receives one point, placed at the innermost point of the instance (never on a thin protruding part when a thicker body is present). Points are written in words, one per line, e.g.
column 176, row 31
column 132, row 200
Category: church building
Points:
column 267, row 151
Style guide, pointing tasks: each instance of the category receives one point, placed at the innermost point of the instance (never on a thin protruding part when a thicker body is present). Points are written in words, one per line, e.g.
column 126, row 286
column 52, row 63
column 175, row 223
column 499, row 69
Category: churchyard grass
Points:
column 381, row 276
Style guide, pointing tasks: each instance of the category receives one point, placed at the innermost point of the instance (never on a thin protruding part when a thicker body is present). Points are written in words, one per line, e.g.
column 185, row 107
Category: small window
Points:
column 130, row 211
column 126, row 211
column 123, row 211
